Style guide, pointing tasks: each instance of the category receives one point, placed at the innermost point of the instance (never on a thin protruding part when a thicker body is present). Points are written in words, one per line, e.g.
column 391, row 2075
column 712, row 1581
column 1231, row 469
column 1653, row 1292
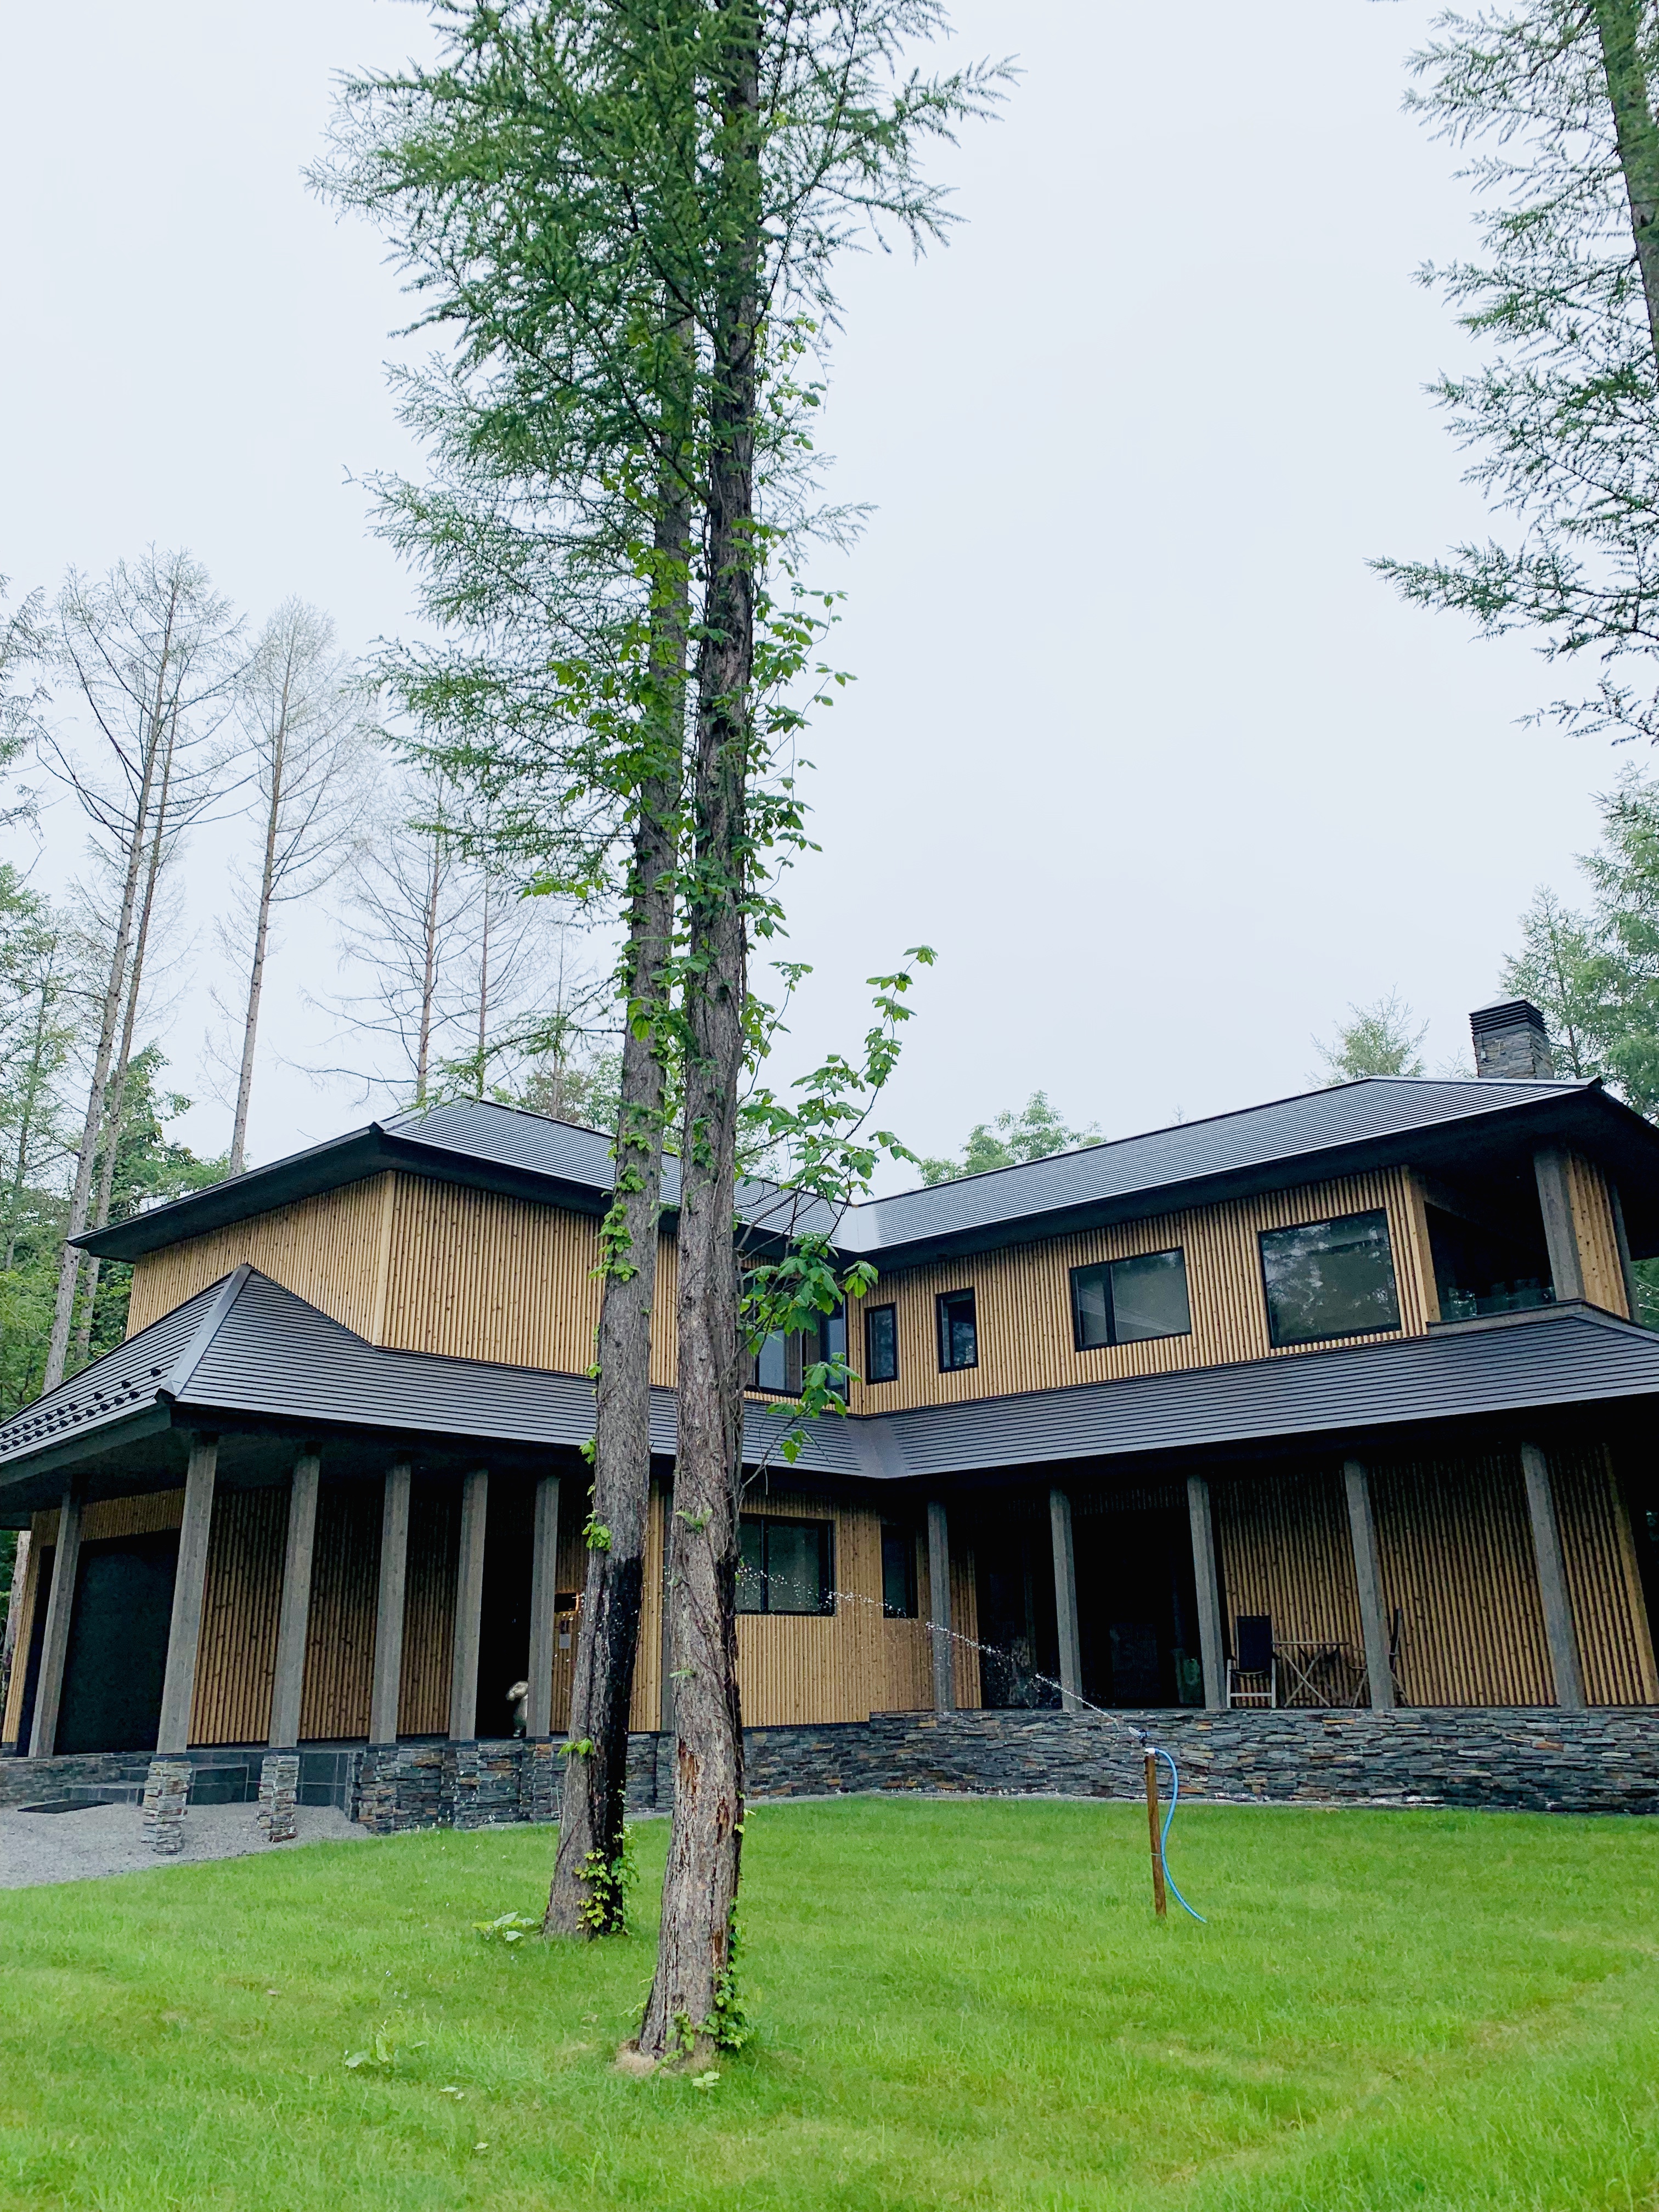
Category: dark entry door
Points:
column 118, row 1644
column 504, row 1630
column 1135, row 1605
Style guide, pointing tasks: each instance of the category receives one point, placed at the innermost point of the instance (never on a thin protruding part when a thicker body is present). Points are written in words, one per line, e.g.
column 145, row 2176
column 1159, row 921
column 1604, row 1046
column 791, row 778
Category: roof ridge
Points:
column 230, row 1289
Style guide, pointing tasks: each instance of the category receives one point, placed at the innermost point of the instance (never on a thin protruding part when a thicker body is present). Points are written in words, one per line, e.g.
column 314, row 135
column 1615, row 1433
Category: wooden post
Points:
column 1071, row 1652
column 1212, row 1643
column 1553, row 1587
column 1368, row 1579
column 1159, row 1905
column 543, row 1628
column 938, row 1579
column 190, row 1584
column 389, row 1610
column 1560, row 1235
column 54, row 1644
column 469, row 1606
column 288, row 1685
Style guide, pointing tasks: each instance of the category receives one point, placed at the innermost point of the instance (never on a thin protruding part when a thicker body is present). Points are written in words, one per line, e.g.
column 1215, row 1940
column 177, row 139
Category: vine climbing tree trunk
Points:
column 691, row 1991
column 584, row 1896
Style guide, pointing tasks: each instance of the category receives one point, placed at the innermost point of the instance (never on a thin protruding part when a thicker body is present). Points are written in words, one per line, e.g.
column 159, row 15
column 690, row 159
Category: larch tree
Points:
column 302, row 710
column 1557, row 99
column 149, row 655
column 1381, row 1039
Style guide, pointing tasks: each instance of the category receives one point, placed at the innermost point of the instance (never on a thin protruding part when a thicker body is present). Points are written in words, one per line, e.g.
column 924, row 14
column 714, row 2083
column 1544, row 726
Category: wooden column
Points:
column 389, row 1610
column 939, row 1579
column 54, row 1645
column 1552, row 1581
column 1071, row 1650
column 1368, row 1579
column 469, row 1607
column 185, row 1632
column 543, row 1624
column 1555, row 1203
column 1212, row 1643
column 288, row 1687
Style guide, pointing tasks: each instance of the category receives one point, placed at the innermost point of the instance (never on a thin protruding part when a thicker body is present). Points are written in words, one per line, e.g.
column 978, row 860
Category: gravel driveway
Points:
column 99, row 1839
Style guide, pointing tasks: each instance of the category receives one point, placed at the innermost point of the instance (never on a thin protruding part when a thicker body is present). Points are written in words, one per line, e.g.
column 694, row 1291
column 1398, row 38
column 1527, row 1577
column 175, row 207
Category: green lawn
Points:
column 958, row 2003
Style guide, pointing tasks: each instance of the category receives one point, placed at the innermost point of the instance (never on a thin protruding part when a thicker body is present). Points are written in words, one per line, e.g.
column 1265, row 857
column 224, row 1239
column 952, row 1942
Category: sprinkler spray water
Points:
column 1073, row 1701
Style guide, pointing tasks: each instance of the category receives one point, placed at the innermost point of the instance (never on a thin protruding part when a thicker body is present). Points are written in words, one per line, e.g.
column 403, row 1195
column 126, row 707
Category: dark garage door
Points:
column 118, row 1644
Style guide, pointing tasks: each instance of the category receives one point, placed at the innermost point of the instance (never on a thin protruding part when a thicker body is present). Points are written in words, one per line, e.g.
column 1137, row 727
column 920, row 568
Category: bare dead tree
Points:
column 303, row 711
column 150, row 654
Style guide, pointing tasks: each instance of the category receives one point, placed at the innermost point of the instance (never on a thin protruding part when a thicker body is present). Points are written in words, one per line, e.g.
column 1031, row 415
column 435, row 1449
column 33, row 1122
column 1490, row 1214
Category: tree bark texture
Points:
column 256, row 981
column 607, row 1637
column 700, row 1883
column 1618, row 23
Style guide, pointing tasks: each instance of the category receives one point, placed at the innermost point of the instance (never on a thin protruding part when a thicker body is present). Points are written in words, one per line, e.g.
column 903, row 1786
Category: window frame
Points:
column 941, row 1299
column 1336, row 1336
column 870, row 1379
column 1105, row 1266
column 825, row 1609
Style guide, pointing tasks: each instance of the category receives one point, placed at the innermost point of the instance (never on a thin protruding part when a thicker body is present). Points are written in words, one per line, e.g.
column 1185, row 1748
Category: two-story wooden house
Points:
column 1336, row 1402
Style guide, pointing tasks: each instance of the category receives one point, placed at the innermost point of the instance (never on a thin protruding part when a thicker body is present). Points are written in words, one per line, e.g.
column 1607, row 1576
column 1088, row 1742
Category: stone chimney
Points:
column 1511, row 1041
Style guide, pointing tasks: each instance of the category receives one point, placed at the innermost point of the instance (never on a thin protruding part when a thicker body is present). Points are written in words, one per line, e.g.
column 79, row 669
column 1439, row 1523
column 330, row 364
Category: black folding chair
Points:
column 1253, row 1671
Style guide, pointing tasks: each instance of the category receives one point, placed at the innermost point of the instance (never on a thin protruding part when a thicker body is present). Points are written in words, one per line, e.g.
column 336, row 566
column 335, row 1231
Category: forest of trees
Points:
column 140, row 706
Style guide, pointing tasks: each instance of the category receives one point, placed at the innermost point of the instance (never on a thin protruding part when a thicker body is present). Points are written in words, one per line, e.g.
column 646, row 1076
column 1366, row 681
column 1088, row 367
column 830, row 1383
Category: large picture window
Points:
column 959, row 1331
column 1329, row 1279
column 1126, row 1301
column 785, row 1566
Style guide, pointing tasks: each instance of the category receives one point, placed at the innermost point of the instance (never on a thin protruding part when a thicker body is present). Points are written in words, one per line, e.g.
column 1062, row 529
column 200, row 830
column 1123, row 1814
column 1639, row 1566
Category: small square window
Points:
column 881, row 1344
column 958, row 1332
column 784, row 1567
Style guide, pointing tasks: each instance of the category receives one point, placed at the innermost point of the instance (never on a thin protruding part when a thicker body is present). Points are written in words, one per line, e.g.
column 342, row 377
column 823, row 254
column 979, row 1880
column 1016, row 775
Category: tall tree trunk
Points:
column 607, row 1640
column 34, row 1084
column 483, row 990
column 700, row 1883
column 256, row 981
column 429, row 972
column 118, row 1088
column 92, row 1128
column 1618, row 23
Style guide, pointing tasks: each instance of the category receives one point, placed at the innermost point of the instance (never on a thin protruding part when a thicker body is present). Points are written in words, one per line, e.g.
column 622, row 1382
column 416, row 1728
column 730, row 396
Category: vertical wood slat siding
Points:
column 435, row 1543
column 327, row 1249
column 1023, row 1297
column 1456, row 1546
column 340, row 1633
column 1596, row 1237
column 237, row 1658
column 477, row 1275
column 1607, row 1611
column 1286, row 1552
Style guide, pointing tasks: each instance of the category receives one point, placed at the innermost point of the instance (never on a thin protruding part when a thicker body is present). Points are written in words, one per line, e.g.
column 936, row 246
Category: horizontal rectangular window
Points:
column 1329, row 1279
column 898, row 1573
column 785, row 1566
column 880, row 1344
column 1126, row 1301
column 958, row 1332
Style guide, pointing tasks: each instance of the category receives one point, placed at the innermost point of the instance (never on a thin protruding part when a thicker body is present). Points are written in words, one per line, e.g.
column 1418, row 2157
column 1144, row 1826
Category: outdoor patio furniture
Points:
column 1253, row 1671
column 1309, row 1671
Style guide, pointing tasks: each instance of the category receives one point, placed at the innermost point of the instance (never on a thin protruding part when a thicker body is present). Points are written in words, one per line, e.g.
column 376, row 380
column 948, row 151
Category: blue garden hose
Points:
column 1164, row 1835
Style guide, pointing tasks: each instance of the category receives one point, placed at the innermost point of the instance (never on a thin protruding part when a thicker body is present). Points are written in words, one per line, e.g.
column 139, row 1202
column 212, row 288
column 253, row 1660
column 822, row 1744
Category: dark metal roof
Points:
column 1554, row 1356
column 247, row 1349
column 1319, row 1133
column 250, row 1351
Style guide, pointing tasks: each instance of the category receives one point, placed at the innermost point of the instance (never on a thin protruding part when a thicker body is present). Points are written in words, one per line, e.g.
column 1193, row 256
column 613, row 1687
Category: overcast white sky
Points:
column 1136, row 742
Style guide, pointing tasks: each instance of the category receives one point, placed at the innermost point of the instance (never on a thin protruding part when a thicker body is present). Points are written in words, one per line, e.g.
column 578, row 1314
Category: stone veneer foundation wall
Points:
column 1539, row 1760
column 1606, row 1760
